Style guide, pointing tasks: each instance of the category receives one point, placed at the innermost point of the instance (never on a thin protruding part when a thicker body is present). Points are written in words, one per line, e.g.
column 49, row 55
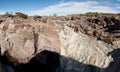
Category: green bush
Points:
column 55, row 15
column 96, row 14
column 21, row 15
column 37, row 17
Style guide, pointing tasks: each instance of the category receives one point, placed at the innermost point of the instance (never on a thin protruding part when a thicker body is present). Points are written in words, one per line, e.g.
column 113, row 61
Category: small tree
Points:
column 23, row 16
column 55, row 15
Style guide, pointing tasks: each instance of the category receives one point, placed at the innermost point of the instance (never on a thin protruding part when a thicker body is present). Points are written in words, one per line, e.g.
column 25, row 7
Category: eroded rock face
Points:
column 82, row 42
column 105, row 28
column 83, row 50
column 19, row 43
column 22, row 39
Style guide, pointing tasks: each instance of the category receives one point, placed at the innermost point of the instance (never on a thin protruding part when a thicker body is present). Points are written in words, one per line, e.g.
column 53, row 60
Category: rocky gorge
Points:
column 73, row 43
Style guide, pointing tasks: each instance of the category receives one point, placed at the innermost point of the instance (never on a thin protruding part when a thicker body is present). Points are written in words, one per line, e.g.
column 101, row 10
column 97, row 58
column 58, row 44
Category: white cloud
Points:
column 72, row 7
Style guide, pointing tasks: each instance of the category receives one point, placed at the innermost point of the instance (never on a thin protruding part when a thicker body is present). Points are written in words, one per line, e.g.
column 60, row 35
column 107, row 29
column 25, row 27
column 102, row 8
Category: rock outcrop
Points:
column 86, row 41
column 81, row 42
column 82, row 48
column 22, row 39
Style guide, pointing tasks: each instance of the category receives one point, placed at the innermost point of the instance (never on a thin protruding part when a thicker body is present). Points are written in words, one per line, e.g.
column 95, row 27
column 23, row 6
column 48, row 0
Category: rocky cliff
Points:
column 88, row 40
column 22, row 39
column 84, row 43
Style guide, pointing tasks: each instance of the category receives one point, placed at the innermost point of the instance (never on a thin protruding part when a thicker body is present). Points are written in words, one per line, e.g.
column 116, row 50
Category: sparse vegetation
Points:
column 55, row 15
column 21, row 15
column 96, row 14
column 37, row 17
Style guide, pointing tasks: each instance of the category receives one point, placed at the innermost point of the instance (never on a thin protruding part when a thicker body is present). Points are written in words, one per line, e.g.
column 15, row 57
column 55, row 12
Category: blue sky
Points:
column 59, row 7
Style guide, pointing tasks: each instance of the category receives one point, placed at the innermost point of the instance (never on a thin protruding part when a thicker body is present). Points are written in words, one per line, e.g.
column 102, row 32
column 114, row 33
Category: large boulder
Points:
column 21, row 41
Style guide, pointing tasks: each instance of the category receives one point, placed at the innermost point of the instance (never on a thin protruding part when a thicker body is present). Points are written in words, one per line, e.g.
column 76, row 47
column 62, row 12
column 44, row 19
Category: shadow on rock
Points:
column 115, row 65
column 71, row 65
column 6, row 65
column 48, row 61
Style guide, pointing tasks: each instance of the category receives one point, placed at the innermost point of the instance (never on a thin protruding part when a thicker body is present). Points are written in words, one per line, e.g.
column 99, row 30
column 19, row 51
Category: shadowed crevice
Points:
column 35, row 42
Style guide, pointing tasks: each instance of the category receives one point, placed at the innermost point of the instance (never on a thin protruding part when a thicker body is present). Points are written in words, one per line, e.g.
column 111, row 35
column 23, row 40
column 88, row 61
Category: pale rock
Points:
column 2, row 25
column 25, row 32
column 11, row 28
column 2, row 35
column 19, row 43
column 82, row 48
column 5, row 45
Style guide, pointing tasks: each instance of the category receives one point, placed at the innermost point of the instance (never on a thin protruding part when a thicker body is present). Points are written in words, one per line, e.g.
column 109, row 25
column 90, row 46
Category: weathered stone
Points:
column 84, row 49
column 22, row 45
column 5, row 45
column 82, row 41
column 11, row 28
column 2, row 35
column 23, row 40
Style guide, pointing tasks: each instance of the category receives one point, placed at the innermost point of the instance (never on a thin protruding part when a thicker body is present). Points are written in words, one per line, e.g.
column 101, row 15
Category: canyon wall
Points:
column 82, row 48
column 85, row 44
column 22, row 39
